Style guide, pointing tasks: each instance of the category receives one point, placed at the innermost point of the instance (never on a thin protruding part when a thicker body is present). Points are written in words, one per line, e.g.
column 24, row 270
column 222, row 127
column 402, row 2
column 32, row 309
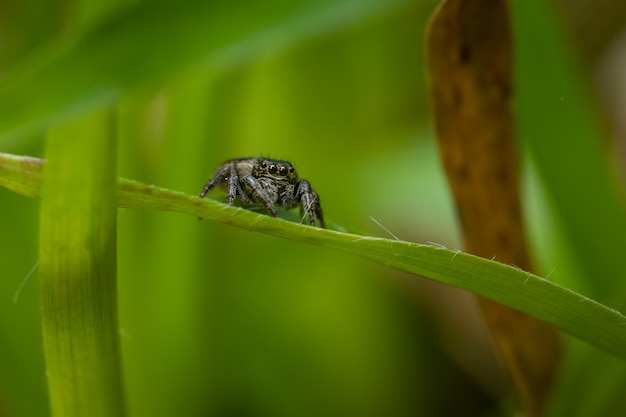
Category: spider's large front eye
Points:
column 283, row 171
column 272, row 169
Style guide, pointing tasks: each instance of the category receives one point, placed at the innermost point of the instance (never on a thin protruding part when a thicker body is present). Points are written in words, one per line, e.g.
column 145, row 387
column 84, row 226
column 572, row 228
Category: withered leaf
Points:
column 469, row 54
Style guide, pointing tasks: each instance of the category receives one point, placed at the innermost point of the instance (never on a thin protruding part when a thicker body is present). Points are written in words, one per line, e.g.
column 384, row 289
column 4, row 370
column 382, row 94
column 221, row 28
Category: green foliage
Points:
column 216, row 320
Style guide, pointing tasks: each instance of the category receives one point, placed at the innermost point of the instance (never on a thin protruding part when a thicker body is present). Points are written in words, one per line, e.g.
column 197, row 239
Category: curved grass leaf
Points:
column 153, row 41
column 567, row 310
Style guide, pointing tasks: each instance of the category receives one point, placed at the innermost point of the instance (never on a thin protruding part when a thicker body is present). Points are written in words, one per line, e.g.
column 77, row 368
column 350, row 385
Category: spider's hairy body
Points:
column 266, row 183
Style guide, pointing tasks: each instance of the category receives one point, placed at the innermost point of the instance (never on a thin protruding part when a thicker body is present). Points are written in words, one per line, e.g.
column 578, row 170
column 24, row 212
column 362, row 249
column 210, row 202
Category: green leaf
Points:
column 77, row 271
column 571, row 312
column 152, row 41
column 559, row 122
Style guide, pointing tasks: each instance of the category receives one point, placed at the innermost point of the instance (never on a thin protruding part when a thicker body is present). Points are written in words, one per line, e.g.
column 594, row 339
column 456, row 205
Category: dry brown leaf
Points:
column 469, row 54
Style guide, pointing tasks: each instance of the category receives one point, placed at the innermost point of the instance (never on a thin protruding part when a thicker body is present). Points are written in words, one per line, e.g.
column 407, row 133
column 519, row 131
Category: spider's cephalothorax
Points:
column 266, row 182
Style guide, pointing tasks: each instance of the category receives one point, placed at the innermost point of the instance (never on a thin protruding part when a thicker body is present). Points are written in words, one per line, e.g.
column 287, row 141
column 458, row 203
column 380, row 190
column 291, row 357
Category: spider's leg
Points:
column 220, row 175
column 302, row 193
column 261, row 192
column 233, row 184
column 310, row 201
column 242, row 195
column 318, row 210
column 217, row 177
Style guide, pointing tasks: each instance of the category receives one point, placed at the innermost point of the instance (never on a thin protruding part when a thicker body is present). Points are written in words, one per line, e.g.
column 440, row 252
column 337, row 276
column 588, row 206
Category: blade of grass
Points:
column 558, row 120
column 78, row 270
column 154, row 40
column 571, row 312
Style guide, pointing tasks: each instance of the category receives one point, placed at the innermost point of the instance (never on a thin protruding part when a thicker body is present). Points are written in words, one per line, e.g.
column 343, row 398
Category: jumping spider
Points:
column 266, row 182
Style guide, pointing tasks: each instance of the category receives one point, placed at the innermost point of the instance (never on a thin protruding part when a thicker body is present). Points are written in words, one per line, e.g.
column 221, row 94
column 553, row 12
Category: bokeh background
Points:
column 223, row 322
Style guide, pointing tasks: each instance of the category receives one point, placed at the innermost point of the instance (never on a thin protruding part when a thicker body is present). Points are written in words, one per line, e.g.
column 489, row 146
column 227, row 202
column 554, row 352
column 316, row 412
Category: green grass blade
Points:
column 571, row 312
column 21, row 174
column 559, row 122
column 153, row 41
column 78, row 270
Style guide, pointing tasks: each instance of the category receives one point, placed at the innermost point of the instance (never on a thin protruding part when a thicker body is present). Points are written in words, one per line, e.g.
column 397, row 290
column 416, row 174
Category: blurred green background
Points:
column 219, row 321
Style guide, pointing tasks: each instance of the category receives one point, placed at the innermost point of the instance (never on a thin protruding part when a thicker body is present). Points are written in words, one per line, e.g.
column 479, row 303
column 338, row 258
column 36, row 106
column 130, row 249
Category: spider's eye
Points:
column 282, row 171
column 291, row 170
column 263, row 164
column 272, row 169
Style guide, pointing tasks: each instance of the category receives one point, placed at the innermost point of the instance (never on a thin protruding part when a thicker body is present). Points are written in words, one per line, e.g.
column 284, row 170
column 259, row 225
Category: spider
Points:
column 266, row 182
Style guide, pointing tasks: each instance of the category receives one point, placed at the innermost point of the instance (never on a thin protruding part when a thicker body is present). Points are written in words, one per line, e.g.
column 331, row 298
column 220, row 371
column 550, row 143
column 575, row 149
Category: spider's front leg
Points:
column 310, row 202
column 262, row 191
column 229, row 173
